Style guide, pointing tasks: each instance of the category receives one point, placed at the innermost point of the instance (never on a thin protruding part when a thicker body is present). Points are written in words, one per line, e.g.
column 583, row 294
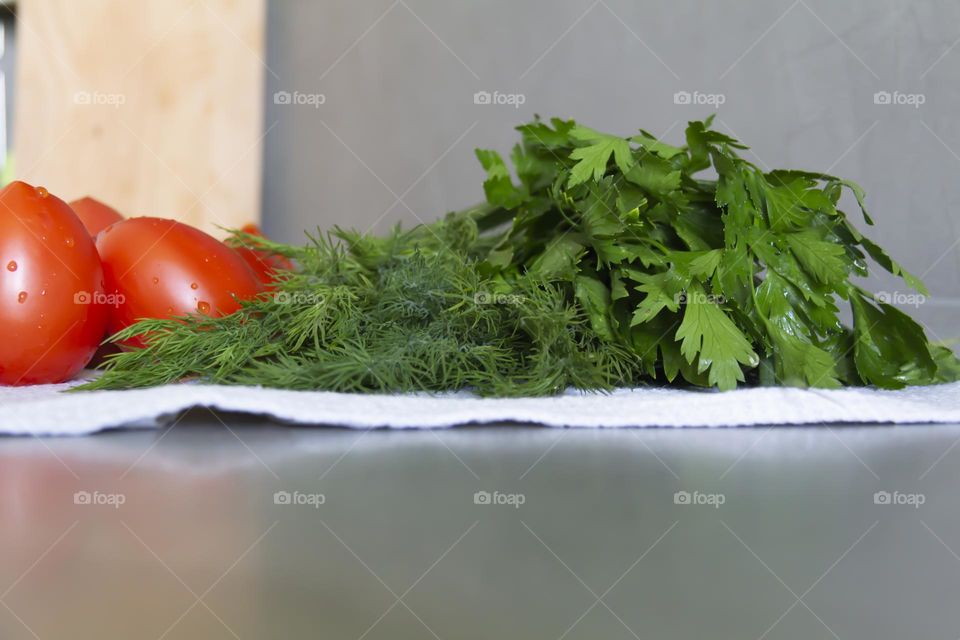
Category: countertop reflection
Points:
column 223, row 526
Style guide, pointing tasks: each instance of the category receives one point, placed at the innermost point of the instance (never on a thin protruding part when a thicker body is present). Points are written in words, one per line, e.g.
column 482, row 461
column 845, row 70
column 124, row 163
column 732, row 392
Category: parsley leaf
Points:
column 826, row 261
column 593, row 158
column 709, row 334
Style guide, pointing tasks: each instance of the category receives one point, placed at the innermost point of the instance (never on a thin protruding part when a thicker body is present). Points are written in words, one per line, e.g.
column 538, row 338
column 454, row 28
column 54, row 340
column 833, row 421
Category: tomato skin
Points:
column 52, row 309
column 95, row 215
column 160, row 268
column 259, row 265
column 262, row 263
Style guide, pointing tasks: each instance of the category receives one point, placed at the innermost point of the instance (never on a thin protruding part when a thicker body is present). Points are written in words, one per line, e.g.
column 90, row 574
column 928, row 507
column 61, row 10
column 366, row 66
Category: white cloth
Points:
column 46, row 409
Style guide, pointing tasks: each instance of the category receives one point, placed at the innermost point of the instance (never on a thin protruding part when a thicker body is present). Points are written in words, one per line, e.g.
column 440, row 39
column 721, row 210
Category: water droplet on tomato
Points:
column 156, row 280
column 12, row 265
column 203, row 307
column 69, row 241
column 193, row 285
column 169, row 309
column 43, row 292
column 42, row 192
column 22, row 297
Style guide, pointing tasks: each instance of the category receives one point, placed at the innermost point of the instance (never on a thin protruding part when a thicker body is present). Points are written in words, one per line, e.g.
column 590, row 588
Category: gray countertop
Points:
column 775, row 533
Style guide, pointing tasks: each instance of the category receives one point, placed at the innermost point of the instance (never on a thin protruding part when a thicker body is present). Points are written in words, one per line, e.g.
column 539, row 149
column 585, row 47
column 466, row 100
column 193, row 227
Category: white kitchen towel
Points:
column 47, row 410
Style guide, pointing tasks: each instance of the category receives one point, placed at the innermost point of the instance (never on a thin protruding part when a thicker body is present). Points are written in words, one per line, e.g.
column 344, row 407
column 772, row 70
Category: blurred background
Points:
column 307, row 113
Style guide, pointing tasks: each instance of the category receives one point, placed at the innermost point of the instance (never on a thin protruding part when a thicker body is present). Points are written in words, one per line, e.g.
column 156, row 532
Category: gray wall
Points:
column 399, row 120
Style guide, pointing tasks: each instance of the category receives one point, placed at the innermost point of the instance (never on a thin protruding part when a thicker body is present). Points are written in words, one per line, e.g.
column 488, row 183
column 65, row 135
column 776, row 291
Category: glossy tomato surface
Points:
column 257, row 263
column 160, row 268
column 52, row 304
column 95, row 215
column 263, row 263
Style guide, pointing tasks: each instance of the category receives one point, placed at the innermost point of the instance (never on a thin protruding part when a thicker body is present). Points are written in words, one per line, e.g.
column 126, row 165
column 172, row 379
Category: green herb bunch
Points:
column 717, row 281
column 608, row 261
column 406, row 312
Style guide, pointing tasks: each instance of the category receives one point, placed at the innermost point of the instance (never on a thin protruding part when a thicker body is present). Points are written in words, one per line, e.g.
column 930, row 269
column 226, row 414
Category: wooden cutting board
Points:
column 153, row 106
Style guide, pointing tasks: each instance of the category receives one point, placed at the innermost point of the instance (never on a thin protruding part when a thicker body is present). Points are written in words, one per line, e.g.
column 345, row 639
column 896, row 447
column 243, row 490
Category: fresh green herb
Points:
column 407, row 312
column 609, row 261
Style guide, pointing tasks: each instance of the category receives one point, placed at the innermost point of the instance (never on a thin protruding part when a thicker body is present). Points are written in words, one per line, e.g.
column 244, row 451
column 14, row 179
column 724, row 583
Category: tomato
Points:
column 263, row 263
column 52, row 304
column 160, row 268
column 95, row 215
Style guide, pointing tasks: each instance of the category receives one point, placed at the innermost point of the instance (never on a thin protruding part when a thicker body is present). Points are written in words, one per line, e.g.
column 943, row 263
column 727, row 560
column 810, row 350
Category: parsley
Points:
column 745, row 271
column 606, row 261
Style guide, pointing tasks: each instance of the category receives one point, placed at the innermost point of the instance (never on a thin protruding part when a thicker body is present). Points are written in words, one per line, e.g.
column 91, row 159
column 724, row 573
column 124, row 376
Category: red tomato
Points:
column 52, row 304
column 161, row 268
column 263, row 263
column 95, row 215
